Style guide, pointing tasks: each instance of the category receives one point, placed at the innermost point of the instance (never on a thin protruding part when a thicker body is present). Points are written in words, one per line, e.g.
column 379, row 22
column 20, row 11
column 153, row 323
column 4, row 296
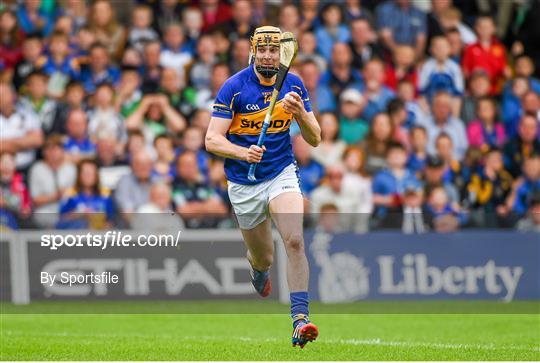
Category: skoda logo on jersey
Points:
column 253, row 107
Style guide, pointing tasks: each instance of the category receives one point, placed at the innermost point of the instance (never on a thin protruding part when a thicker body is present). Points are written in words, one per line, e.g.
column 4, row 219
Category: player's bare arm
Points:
column 309, row 127
column 216, row 143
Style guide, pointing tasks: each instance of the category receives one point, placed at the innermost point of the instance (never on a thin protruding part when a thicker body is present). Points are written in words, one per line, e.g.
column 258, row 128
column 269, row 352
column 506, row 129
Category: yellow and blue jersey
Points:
column 244, row 100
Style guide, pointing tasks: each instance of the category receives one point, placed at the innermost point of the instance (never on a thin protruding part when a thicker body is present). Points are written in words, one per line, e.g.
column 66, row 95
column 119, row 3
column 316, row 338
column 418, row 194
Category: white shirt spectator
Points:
column 18, row 124
column 354, row 202
column 454, row 128
column 108, row 122
column 45, row 115
column 176, row 60
column 45, row 181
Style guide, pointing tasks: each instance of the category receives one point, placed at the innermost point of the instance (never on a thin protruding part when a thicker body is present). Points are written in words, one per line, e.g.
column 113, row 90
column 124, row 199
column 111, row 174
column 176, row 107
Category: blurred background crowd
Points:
column 429, row 110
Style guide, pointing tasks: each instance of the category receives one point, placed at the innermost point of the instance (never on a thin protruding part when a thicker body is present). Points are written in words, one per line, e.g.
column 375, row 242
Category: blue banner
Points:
column 393, row 266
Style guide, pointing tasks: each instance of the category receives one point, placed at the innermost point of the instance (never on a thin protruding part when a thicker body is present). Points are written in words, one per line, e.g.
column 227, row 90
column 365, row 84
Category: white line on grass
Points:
column 373, row 342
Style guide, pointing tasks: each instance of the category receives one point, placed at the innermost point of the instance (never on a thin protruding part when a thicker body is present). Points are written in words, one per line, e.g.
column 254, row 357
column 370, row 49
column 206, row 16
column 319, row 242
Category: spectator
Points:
column 49, row 179
column 21, row 132
column 32, row 19
column 451, row 19
column 488, row 190
column 406, row 91
column 87, row 206
column 444, row 217
column 410, row 217
column 128, row 95
column 389, row 184
column 363, row 43
column 223, row 46
column 240, row 54
column 206, row 97
column 355, row 174
column 524, row 67
column 175, row 53
column 201, row 70
column 352, row 127
column 78, row 144
column 32, row 59
column 331, row 148
column 84, row 39
column 433, row 18
column 487, row 54
column 310, row 171
column 345, row 194
column 132, row 58
column 402, row 67
column 526, row 34
column 133, row 189
column 167, row 12
column 155, row 116
column 197, row 203
column 192, row 19
column 338, row 77
column 141, row 31
column 512, row 105
column 527, row 186
column 14, row 197
column 311, row 74
column 214, row 12
column 157, row 214
column 307, row 51
column 332, row 30
column 442, row 121
column 218, row 180
column 401, row 23
column 485, row 132
column 434, row 177
column 164, row 164
column 103, row 23
column 398, row 117
column 37, row 103
column 479, row 86
column 355, row 10
column 523, row 146
column 455, row 172
column 456, row 45
column 151, row 68
column 374, row 90
column 240, row 25
column 99, row 69
column 60, row 66
column 136, row 143
column 418, row 154
column 376, row 144
column 110, row 159
column 531, row 222
column 289, row 19
column 181, row 98
column 310, row 15
column 193, row 140
column 104, row 118
column 328, row 219
column 440, row 73
column 11, row 38
column 201, row 119
column 73, row 100
column 77, row 11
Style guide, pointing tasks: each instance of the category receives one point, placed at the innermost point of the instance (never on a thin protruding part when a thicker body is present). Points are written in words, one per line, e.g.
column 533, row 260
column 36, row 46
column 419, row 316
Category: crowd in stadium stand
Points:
column 429, row 110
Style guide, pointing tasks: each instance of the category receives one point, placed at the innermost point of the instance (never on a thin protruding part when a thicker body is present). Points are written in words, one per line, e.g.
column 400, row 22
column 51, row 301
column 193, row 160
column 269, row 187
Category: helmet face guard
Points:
column 264, row 36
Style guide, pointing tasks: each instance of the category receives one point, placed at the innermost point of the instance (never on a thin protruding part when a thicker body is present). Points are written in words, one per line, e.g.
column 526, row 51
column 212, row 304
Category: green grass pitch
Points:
column 266, row 336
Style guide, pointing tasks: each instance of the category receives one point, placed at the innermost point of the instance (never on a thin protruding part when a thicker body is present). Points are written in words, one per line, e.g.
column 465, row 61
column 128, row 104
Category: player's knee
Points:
column 295, row 243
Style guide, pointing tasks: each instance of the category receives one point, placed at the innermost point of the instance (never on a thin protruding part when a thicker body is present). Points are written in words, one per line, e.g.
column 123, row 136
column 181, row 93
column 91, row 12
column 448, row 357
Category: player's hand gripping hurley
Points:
column 287, row 52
